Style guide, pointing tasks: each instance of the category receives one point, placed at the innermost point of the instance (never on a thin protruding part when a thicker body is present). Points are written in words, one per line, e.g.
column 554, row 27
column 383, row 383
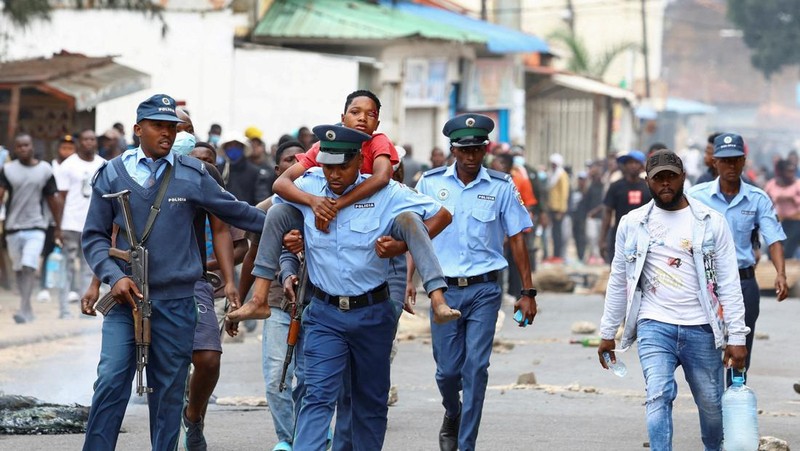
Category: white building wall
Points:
column 275, row 90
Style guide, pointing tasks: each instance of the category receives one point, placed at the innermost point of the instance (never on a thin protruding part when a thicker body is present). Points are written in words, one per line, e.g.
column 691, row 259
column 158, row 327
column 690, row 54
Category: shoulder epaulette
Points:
column 191, row 162
column 498, row 175
column 98, row 171
column 434, row 171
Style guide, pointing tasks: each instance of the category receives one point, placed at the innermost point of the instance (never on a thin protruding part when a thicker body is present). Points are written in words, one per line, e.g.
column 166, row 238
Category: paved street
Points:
column 575, row 406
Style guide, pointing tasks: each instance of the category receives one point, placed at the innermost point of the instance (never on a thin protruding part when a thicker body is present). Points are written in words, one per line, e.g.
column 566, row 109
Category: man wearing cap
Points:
column 622, row 196
column 350, row 320
column 746, row 208
column 486, row 208
column 674, row 274
column 174, row 263
column 242, row 178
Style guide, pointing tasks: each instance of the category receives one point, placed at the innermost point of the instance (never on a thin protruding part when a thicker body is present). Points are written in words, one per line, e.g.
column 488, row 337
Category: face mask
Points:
column 213, row 139
column 234, row 153
column 184, row 143
column 519, row 160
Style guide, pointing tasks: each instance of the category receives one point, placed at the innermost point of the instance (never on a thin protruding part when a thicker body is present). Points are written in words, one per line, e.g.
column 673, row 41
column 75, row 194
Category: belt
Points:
column 376, row 296
column 490, row 276
column 747, row 273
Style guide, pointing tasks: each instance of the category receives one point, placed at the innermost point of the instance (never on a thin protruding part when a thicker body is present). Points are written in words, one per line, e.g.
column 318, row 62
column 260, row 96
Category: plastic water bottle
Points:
column 619, row 368
column 739, row 417
column 54, row 278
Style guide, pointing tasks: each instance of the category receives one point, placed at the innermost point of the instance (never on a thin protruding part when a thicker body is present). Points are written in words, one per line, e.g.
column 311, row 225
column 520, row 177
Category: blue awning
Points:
column 499, row 39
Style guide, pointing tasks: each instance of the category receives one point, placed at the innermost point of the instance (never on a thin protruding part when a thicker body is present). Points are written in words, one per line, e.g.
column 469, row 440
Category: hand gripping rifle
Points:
column 294, row 325
column 137, row 257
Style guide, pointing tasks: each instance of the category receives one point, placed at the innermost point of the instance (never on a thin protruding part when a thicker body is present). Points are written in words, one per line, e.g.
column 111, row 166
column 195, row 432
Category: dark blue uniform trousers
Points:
column 752, row 307
column 333, row 339
column 461, row 350
column 172, row 332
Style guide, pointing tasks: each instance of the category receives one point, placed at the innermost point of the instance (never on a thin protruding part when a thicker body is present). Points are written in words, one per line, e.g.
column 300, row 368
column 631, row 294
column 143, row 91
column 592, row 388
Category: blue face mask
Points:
column 519, row 160
column 234, row 152
column 184, row 143
column 213, row 139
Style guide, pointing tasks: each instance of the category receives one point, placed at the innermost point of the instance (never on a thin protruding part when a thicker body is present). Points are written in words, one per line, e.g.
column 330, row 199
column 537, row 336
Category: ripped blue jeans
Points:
column 662, row 347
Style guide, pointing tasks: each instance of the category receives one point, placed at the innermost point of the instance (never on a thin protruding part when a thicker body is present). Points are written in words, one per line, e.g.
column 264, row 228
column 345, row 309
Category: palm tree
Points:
column 581, row 61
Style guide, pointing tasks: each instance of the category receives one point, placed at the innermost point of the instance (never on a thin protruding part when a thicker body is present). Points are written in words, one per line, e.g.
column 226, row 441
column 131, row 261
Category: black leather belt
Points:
column 490, row 276
column 747, row 273
column 376, row 296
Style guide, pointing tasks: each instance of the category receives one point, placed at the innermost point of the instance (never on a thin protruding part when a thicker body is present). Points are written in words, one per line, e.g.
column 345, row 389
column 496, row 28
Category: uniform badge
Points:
column 519, row 197
column 470, row 121
column 443, row 194
column 165, row 101
column 331, row 135
column 727, row 140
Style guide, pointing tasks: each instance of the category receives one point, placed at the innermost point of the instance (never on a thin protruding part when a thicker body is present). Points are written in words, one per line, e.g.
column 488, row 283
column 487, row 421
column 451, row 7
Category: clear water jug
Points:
column 739, row 417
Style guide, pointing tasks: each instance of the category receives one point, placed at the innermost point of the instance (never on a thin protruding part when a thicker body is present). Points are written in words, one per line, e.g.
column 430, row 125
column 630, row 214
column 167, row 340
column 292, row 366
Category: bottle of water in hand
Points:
column 619, row 368
column 739, row 417
column 54, row 269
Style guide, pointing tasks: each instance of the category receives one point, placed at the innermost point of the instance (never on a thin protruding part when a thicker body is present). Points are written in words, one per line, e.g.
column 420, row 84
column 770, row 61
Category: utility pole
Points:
column 645, row 51
column 484, row 15
column 570, row 17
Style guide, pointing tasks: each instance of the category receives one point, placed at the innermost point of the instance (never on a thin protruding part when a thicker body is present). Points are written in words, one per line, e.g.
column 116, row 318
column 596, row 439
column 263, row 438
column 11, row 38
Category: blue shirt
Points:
column 133, row 160
column 343, row 262
column 750, row 207
column 484, row 212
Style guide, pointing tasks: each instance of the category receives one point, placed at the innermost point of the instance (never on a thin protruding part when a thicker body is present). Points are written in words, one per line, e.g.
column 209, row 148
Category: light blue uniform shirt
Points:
column 133, row 161
column 343, row 262
column 484, row 212
column 749, row 207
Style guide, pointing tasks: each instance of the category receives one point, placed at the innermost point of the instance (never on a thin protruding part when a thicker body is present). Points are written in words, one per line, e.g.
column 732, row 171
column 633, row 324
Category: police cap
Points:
column 159, row 107
column 337, row 143
column 468, row 130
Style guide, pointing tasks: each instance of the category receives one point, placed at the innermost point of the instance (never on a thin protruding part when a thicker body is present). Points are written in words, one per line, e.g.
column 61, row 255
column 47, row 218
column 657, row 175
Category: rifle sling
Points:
column 156, row 207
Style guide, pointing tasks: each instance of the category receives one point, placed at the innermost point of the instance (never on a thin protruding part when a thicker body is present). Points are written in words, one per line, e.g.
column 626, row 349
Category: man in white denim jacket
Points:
column 674, row 280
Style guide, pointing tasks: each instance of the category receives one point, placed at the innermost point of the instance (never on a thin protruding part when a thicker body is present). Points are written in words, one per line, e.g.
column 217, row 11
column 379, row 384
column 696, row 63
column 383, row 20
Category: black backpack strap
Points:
column 156, row 207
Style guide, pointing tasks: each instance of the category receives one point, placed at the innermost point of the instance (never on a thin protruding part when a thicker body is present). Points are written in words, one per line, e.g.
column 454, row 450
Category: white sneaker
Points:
column 43, row 296
column 73, row 297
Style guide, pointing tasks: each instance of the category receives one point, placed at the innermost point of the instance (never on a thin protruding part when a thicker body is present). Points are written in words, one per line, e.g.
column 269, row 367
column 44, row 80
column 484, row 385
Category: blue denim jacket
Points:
column 714, row 257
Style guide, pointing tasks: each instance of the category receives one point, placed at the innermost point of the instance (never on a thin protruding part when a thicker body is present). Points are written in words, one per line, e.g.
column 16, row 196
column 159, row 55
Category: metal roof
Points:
column 499, row 39
column 351, row 20
column 592, row 86
column 87, row 80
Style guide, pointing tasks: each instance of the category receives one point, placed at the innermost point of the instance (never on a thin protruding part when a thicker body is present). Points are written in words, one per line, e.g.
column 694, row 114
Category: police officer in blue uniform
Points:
column 350, row 320
column 746, row 208
column 174, row 267
column 486, row 208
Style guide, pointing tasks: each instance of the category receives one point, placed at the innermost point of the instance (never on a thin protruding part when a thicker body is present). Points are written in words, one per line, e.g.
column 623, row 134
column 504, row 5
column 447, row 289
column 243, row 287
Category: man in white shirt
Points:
column 675, row 273
column 73, row 178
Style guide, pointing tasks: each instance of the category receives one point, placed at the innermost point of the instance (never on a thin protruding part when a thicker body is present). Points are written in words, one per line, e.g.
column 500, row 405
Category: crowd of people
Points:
column 338, row 201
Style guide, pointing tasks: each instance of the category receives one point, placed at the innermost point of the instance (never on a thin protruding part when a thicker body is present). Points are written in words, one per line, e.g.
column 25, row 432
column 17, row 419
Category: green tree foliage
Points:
column 23, row 12
column 771, row 30
column 581, row 61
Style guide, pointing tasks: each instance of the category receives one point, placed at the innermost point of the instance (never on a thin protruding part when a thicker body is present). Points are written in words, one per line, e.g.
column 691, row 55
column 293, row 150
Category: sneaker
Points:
column 73, row 297
column 43, row 296
column 283, row 446
column 194, row 439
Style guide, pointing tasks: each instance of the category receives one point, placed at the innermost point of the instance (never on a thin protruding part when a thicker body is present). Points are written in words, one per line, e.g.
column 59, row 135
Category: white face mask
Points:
column 184, row 143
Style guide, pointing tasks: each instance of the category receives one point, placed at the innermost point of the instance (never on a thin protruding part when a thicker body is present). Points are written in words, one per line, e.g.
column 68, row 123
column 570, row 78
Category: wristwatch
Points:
column 530, row 292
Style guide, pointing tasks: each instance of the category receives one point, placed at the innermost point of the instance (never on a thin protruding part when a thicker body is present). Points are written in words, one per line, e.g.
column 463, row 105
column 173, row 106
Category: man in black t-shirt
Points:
column 624, row 195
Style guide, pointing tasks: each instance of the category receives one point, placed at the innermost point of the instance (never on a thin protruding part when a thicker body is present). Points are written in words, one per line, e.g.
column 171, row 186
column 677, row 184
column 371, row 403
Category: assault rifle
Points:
column 137, row 257
column 294, row 325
